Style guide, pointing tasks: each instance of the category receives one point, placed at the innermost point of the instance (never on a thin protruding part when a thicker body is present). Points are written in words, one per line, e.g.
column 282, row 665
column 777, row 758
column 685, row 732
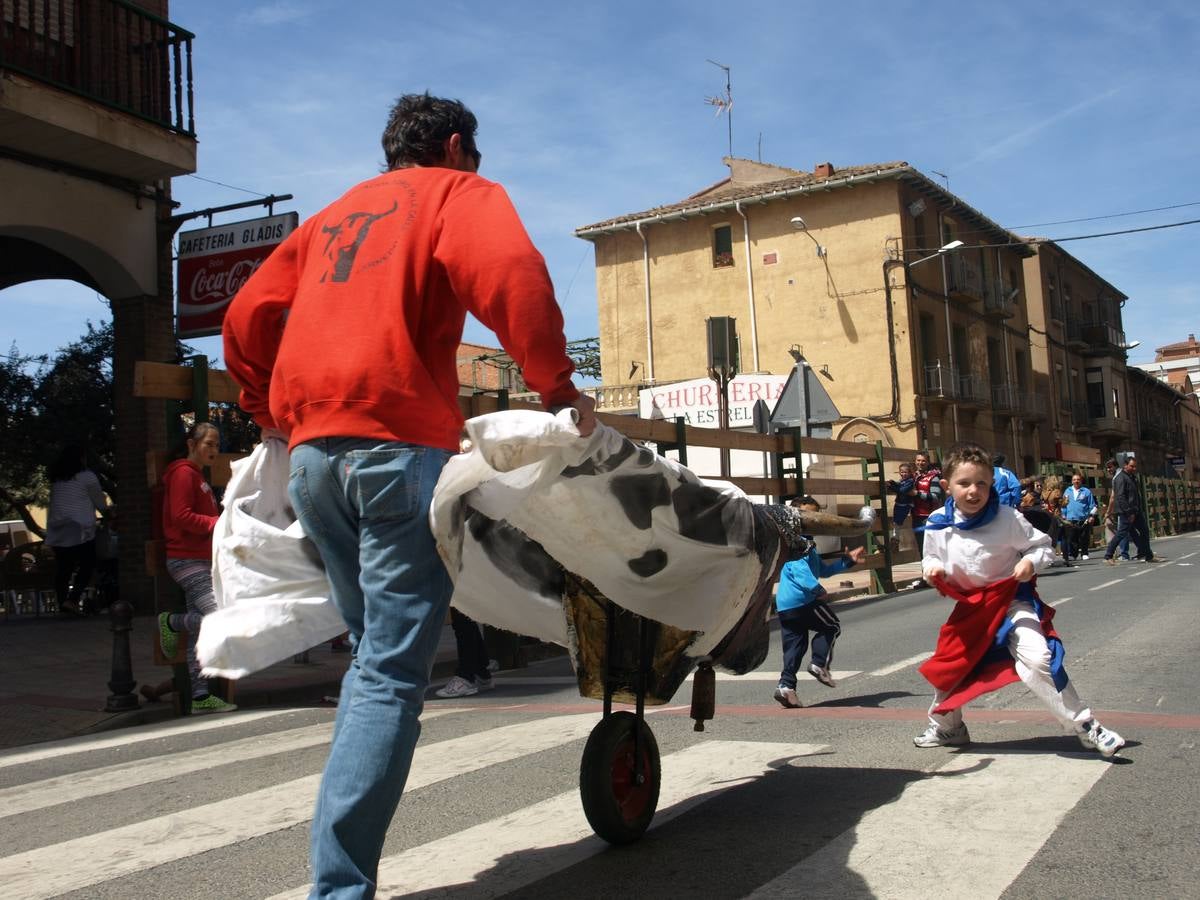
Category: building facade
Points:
column 909, row 302
column 95, row 119
column 1176, row 362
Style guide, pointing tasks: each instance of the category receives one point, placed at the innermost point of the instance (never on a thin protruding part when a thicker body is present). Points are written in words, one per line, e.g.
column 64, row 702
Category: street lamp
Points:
column 888, row 265
column 799, row 224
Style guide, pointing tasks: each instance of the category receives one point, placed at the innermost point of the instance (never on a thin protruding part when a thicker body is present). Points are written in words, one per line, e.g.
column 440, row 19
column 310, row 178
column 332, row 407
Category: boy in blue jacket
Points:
column 801, row 610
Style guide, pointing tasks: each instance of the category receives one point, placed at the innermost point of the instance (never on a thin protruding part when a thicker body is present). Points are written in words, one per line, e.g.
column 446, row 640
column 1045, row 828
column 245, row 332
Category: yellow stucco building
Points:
column 909, row 302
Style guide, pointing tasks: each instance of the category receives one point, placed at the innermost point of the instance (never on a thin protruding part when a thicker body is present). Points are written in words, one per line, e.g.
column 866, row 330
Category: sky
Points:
column 1040, row 115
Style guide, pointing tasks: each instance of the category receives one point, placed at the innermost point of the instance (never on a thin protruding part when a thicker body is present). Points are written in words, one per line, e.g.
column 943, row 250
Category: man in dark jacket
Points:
column 1127, row 506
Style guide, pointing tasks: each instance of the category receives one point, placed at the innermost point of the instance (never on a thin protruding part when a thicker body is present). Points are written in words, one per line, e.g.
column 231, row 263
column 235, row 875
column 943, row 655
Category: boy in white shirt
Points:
column 984, row 555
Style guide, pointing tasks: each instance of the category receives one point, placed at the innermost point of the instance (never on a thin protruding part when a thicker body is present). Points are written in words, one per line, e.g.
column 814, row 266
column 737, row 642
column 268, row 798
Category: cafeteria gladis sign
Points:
column 215, row 262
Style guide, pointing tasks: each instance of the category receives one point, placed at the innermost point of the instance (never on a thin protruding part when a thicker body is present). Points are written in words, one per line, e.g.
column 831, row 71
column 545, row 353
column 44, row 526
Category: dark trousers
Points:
column 73, row 571
column 1077, row 537
column 919, row 532
column 794, row 626
column 472, row 653
column 1131, row 528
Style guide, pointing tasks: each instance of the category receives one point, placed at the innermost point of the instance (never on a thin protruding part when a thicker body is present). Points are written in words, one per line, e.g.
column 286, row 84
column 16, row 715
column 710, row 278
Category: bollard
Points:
column 122, row 698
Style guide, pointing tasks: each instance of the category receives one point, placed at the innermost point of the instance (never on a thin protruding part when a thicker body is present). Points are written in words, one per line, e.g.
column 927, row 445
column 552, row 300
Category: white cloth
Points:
column 268, row 581
column 648, row 533
column 1027, row 644
column 988, row 553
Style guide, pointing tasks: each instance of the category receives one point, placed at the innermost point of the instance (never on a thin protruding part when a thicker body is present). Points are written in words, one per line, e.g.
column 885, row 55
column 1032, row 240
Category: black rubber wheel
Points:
column 618, row 801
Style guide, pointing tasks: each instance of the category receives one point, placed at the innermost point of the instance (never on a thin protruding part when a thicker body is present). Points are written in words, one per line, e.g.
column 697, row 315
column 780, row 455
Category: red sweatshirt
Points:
column 189, row 511
column 374, row 290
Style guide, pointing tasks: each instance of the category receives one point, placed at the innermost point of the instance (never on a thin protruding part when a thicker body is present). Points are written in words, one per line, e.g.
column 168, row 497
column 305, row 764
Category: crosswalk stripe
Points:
column 979, row 814
column 564, row 680
column 78, row 863
column 689, row 777
column 88, row 743
column 898, row 666
column 107, row 779
column 1106, row 584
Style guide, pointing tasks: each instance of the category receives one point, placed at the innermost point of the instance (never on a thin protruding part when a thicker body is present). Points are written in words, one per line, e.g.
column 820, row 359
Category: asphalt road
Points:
column 831, row 800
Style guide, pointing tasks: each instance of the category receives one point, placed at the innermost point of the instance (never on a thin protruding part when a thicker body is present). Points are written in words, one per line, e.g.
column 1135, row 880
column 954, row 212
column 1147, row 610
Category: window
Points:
column 1056, row 310
column 919, row 237
column 947, row 231
column 723, row 247
column 1097, row 408
column 928, row 336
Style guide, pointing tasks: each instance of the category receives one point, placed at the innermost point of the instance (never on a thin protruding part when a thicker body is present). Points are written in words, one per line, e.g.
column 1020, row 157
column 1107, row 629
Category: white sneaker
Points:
column 484, row 684
column 1104, row 740
column 1083, row 556
column 935, row 737
column 821, row 674
column 787, row 697
column 493, row 665
column 457, row 687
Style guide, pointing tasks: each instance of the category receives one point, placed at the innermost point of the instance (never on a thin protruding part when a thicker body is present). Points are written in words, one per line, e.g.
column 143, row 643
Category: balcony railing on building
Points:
column 1000, row 301
column 964, row 278
column 1033, row 404
column 1006, row 399
column 109, row 51
column 941, row 381
column 973, row 390
column 1074, row 332
column 615, row 397
column 1079, row 416
column 1103, row 339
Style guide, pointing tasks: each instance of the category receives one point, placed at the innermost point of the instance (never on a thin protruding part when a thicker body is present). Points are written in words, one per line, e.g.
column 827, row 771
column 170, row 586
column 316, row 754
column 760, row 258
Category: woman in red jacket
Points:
column 189, row 515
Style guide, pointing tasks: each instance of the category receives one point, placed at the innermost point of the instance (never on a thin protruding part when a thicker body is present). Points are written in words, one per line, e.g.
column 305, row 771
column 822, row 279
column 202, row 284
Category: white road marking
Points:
column 964, row 818
column 118, row 777
column 899, row 666
column 757, row 675
column 1189, row 555
column 1106, row 584
column 1058, row 603
column 516, row 850
column 88, row 743
column 74, row 864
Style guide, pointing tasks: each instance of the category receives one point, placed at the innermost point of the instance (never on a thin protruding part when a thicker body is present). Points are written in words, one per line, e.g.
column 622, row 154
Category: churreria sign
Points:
column 215, row 262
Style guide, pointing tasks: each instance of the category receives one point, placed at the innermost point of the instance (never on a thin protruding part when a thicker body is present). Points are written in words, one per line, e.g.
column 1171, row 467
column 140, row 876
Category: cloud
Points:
column 280, row 12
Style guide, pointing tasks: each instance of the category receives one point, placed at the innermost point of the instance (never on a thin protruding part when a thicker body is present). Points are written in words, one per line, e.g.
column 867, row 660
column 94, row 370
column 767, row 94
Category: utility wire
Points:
column 1082, row 237
column 1136, row 212
column 230, row 186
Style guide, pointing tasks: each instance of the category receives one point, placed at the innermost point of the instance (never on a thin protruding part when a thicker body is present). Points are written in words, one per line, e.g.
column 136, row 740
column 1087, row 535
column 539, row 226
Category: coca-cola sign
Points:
column 215, row 262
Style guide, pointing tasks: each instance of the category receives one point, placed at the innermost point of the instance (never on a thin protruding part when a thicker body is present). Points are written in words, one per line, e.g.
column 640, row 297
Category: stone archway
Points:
column 864, row 431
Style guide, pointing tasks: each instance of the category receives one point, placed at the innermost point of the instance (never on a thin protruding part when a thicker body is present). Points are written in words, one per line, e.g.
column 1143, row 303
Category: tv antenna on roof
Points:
column 724, row 104
column 943, row 176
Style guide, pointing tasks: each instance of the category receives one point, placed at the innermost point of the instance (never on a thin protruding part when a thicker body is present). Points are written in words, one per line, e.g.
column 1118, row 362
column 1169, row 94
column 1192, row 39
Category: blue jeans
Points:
column 365, row 505
column 1128, row 527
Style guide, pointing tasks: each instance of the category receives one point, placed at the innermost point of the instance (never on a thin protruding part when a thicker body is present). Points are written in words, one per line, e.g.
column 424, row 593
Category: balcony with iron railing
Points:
column 1033, row 404
column 1074, row 334
column 964, row 278
column 1103, row 339
column 1005, row 399
column 68, row 61
column 1000, row 301
column 973, row 390
column 941, row 381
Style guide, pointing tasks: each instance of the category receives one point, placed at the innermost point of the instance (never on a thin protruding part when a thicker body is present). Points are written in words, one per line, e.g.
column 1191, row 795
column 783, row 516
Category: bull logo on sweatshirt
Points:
column 345, row 240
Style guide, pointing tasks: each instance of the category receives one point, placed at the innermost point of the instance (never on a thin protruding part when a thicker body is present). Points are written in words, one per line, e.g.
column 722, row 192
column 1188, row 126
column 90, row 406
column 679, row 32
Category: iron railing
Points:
column 109, row 51
column 972, row 388
column 940, row 380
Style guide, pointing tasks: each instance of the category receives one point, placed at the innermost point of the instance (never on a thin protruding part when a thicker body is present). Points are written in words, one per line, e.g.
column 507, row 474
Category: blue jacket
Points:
column 798, row 584
column 1080, row 504
column 1007, row 486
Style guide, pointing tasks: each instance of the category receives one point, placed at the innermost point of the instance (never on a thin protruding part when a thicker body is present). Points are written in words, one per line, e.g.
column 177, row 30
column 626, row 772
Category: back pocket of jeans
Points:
column 386, row 483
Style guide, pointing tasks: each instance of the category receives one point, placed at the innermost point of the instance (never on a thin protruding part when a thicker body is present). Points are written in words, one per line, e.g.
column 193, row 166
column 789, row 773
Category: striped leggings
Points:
column 194, row 576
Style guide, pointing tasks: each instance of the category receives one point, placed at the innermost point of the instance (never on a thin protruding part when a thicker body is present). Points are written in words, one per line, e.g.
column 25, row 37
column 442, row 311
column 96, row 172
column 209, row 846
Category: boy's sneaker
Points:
column 167, row 639
column 1109, row 561
column 821, row 674
column 936, row 737
column 1083, row 556
column 211, row 704
column 484, row 684
column 458, row 687
column 787, row 697
column 1104, row 740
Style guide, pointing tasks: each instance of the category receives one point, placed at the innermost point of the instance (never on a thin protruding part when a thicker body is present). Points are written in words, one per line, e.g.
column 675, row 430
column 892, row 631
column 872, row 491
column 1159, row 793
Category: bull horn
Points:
column 827, row 523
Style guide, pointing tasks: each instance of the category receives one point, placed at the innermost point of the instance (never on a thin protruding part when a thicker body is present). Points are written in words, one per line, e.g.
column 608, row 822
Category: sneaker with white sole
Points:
column 1083, row 556
column 484, row 684
column 1096, row 737
column 936, row 737
column 787, row 697
column 821, row 674
column 458, row 687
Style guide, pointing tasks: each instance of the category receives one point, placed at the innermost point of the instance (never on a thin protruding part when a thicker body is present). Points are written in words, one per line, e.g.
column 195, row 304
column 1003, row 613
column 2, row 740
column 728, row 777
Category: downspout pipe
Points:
column 649, row 322
column 749, row 283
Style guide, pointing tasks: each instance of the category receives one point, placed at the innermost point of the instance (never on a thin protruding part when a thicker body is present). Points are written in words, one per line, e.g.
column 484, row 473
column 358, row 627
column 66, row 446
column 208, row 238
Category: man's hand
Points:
column 585, row 406
column 856, row 555
column 935, row 571
column 1023, row 571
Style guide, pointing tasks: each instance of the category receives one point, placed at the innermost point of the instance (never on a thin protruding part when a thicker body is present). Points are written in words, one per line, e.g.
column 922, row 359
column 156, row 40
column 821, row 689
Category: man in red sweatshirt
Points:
column 345, row 341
